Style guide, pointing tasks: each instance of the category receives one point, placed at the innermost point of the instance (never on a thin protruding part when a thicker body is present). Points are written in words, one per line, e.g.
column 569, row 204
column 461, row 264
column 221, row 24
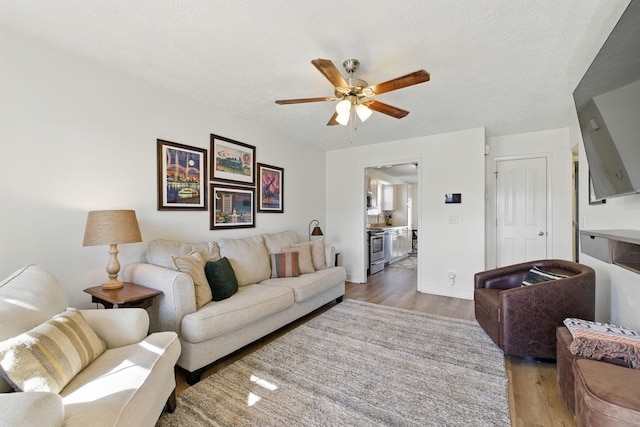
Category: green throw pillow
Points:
column 221, row 278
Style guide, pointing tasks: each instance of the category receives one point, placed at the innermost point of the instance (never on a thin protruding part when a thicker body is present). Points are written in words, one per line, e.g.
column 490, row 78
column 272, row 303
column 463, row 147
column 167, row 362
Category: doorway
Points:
column 392, row 209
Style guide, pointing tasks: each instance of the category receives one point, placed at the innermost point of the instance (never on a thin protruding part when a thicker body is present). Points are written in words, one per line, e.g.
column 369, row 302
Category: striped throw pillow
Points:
column 536, row 275
column 47, row 357
column 285, row 265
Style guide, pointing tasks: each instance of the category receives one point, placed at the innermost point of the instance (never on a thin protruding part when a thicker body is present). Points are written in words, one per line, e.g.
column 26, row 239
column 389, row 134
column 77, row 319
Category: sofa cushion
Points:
column 193, row 265
column 248, row 257
column 249, row 305
column 285, row 265
column 307, row 286
column 305, row 262
column 606, row 394
column 47, row 357
column 537, row 275
column 221, row 278
column 41, row 295
column 160, row 252
column 277, row 241
column 317, row 252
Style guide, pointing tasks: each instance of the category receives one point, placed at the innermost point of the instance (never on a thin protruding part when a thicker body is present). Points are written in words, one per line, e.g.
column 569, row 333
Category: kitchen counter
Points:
column 378, row 227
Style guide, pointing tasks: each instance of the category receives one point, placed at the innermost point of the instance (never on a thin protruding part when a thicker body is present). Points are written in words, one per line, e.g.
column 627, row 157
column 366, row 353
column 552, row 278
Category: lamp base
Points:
column 112, row 284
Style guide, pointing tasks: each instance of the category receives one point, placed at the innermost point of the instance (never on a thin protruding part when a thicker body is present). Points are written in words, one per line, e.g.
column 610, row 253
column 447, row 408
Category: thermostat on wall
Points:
column 453, row 198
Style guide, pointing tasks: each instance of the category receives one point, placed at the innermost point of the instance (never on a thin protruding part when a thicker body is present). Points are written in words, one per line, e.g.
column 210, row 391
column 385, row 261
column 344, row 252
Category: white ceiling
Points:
column 507, row 65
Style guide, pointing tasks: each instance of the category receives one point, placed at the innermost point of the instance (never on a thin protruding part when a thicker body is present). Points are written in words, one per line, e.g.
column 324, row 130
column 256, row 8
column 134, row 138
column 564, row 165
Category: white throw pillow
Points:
column 317, row 253
column 305, row 262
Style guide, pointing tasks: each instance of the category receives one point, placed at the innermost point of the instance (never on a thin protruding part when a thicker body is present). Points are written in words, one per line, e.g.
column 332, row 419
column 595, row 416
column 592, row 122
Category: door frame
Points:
column 492, row 217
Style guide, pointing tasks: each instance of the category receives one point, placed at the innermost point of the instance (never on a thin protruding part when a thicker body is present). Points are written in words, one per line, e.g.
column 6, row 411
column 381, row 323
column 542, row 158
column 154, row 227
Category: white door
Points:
column 521, row 210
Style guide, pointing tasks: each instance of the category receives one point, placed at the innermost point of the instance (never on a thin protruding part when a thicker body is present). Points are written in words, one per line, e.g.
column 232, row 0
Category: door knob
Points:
column 540, row 233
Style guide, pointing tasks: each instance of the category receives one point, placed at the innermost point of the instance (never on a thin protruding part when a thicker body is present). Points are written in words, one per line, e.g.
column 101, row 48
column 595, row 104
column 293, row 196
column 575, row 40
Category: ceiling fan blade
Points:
column 387, row 109
column 411, row 79
column 332, row 121
column 326, row 67
column 303, row 100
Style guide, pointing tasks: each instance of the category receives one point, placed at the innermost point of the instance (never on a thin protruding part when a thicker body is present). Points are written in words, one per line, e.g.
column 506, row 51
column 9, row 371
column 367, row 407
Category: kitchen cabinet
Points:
column 388, row 202
column 400, row 243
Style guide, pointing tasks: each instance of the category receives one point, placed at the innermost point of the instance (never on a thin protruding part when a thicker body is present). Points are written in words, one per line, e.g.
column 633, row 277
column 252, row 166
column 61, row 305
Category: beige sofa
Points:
column 126, row 385
column 261, row 305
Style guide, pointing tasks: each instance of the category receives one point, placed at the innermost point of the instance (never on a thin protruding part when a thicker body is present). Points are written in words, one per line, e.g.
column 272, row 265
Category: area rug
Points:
column 408, row 262
column 358, row 364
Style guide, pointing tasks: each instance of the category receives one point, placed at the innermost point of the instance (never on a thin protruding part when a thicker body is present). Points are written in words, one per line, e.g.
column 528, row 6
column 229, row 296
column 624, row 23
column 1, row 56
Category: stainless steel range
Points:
column 376, row 251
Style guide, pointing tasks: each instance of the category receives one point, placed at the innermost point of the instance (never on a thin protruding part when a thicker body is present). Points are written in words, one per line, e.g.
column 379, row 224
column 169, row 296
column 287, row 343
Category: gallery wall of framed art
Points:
column 239, row 186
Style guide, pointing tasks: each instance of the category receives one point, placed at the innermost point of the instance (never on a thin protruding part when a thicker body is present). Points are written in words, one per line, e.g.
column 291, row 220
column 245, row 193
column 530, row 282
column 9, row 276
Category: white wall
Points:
column 78, row 136
column 617, row 289
column 448, row 163
column 555, row 145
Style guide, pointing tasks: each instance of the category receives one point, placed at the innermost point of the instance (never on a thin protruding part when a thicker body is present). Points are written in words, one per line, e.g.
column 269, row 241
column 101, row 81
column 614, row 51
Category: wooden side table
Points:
column 129, row 296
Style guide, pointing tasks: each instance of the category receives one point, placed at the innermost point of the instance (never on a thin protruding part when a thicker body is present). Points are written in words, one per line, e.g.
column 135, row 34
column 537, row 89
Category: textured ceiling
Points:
column 507, row 65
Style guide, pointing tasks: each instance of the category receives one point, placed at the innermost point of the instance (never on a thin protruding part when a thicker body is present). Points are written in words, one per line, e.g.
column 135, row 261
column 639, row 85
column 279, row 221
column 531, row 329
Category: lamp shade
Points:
column 111, row 227
column 317, row 231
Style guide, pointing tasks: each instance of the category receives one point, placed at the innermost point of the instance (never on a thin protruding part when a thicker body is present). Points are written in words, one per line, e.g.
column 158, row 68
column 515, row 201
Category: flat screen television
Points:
column 607, row 101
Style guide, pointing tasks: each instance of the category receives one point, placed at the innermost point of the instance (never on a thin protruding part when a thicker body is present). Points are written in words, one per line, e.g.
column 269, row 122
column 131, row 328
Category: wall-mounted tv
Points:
column 608, row 104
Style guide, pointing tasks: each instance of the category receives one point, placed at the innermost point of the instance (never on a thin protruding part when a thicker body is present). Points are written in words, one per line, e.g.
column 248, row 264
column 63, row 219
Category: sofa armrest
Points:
column 119, row 327
column 330, row 255
column 177, row 299
column 31, row 409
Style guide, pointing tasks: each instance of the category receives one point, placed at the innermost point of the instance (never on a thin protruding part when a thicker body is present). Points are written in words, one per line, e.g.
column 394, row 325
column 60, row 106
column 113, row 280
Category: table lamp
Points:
column 110, row 228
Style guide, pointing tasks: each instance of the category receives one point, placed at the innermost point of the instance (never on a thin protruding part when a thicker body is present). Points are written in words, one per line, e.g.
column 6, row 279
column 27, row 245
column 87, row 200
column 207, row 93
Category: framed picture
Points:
column 592, row 194
column 232, row 207
column 181, row 176
column 232, row 161
column 270, row 188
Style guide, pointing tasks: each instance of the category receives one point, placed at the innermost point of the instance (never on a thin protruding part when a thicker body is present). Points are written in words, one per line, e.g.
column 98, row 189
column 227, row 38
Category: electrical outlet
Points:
column 453, row 219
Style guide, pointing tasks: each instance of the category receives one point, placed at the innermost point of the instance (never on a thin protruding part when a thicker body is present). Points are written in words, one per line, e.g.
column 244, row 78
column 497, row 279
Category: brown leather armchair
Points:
column 522, row 320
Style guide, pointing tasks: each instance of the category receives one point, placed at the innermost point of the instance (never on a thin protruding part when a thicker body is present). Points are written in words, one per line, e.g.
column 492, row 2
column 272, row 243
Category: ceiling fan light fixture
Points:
column 343, row 118
column 343, row 107
column 363, row 112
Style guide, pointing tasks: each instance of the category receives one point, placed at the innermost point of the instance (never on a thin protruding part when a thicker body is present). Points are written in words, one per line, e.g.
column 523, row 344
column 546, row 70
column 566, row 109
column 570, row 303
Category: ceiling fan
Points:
column 355, row 95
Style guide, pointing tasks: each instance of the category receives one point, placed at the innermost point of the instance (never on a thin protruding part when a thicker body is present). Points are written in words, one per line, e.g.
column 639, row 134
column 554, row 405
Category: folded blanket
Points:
column 595, row 340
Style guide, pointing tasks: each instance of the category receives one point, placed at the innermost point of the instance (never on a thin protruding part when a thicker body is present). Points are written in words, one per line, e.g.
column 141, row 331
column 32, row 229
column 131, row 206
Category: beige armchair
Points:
column 128, row 384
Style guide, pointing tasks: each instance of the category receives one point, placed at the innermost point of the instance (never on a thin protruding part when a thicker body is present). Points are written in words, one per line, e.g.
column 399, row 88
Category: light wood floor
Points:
column 534, row 397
